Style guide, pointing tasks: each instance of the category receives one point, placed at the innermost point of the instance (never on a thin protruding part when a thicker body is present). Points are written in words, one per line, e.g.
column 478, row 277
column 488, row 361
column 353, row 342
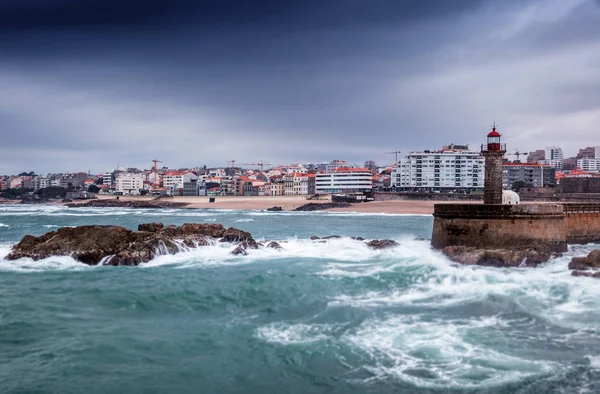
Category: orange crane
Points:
column 261, row 164
column 396, row 152
column 155, row 161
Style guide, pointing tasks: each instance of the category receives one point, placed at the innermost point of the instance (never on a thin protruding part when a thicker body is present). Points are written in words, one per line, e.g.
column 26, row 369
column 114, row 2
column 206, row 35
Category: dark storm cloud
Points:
column 94, row 14
column 205, row 82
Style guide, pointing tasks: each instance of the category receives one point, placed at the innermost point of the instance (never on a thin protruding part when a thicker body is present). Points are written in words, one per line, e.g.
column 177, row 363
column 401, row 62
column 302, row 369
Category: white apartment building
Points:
column 553, row 153
column 129, row 183
column 41, row 182
column 344, row 180
column 439, row 170
column 558, row 164
column 589, row 165
column 107, row 178
column 177, row 178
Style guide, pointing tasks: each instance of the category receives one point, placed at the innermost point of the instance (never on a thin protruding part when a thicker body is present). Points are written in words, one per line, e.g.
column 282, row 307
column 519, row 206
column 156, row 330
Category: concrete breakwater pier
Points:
column 506, row 233
column 543, row 227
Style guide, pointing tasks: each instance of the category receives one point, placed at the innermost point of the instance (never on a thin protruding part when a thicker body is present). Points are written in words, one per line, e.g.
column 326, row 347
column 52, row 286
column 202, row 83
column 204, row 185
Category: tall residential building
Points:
column 41, row 182
column 344, row 180
column 588, row 153
column 536, row 175
column 108, row 178
column 439, row 170
column 536, row 156
column 553, row 153
column 129, row 183
column 597, row 152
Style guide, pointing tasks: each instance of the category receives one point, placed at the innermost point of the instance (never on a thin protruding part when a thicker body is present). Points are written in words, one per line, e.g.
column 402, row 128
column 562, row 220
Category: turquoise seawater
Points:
column 333, row 317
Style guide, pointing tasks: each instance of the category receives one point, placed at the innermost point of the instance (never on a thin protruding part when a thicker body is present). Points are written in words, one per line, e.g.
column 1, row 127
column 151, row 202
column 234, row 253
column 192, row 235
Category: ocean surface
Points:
column 332, row 317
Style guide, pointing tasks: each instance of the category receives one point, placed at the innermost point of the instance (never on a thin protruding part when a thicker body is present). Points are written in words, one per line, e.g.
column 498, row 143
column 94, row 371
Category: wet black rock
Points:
column 239, row 251
column 322, row 206
column 114, row 203
column 274, row 245
column 382, row 243
column 591, row 261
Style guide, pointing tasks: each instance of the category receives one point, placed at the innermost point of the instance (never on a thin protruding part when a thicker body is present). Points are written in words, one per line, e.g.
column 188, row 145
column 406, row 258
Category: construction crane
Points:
column 231, row 163
column 396, row 152
column 261, row 164
column 518, row 155
column 155, row 161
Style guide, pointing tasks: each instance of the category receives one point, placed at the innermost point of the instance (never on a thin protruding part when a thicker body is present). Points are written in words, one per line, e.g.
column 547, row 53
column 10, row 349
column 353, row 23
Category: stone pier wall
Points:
column 582, row 223
column 534, row 226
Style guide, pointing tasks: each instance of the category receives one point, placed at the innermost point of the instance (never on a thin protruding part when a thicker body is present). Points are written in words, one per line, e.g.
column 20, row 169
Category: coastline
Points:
column 289, row 203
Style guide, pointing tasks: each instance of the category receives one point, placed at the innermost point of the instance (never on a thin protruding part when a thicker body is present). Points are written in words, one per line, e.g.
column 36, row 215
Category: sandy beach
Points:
column 288, row 203
column 390, row 207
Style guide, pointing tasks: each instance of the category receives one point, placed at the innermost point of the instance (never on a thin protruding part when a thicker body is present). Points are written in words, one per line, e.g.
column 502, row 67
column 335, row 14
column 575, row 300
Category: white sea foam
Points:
column 438, row 353
column 295, row 334
column 2, row 225
column 243, row 220
column 55, row 263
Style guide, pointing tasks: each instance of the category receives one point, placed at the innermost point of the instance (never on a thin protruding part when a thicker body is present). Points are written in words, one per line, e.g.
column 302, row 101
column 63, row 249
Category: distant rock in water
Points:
column 114, row 203
column 592, row 260
column 275, row 209
column 116, row 245
column 240, row 250
column 496, row 257
column 382, row 244
column 322, row 206
column 586, row 266
column 274, row 245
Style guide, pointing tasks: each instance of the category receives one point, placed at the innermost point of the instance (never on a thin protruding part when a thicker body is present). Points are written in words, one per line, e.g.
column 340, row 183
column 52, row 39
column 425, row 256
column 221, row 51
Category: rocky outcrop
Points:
column 275, row 209
column 382, row 244
column 322, row 206
column 587, row 265
column 114, row 203
column 115, row 245
column 591, row 261
column 496, row 257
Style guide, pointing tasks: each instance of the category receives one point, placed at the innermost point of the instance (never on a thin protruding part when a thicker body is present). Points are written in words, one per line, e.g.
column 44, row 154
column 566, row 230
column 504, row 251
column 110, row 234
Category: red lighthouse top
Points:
column 494, row 133
column 493, row 141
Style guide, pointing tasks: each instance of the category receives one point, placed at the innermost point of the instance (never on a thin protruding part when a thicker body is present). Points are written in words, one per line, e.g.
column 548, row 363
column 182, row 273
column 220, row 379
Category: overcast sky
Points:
column 90, row 84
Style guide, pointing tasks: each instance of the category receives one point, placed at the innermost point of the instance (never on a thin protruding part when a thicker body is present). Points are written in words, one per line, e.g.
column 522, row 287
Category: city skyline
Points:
column 191, row 83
